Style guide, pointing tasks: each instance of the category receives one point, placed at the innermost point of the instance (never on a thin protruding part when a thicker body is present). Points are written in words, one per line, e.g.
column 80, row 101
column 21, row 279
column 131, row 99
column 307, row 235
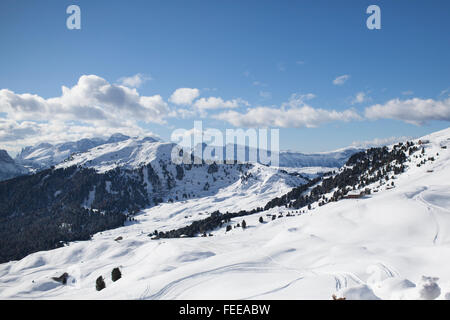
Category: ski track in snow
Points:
column 431, row 207
column 260, row 295
column 192, row 280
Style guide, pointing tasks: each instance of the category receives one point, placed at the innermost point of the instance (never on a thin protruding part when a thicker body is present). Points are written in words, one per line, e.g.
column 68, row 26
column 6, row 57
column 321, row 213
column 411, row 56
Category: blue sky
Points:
column 259, row 56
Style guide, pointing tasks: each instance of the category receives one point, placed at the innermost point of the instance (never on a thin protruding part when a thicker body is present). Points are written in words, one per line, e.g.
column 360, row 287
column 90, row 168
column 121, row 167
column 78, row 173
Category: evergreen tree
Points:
column 244, row 224
column 116, row 274
column 100, row 284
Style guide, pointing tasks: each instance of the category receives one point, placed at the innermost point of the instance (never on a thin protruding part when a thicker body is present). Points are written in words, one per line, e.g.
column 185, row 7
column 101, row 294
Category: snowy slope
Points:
column 393, row 244
column 9, row 168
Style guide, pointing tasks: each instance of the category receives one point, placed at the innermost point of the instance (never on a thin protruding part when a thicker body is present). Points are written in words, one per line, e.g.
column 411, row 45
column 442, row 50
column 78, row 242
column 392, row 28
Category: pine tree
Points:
column 116, row 274
column 244, row 224
column 261, row 220
column 100, row 284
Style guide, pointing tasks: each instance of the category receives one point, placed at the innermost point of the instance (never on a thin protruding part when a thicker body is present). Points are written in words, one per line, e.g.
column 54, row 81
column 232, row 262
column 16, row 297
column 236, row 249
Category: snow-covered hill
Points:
column 391, row 244
column 9, row 168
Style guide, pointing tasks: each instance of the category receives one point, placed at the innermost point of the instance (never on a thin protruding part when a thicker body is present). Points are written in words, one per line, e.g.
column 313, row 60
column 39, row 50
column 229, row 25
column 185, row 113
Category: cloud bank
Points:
column 92, row 107
column 92, row 100
column 293, row 114
column 95, row 107
column 415, row 111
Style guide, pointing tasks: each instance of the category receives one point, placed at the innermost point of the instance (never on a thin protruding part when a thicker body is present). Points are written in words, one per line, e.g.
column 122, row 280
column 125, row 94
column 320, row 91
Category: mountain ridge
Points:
column 46, row 155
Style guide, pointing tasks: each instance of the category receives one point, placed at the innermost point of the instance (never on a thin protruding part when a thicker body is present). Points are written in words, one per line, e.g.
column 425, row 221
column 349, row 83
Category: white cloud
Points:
column 11, row 130
column 407, row 93
column 416, row 111
column 184, row 96
column 305, row 116
column 201, row 107
column 360, row 97
column 218, row 103
column 91, row 100
column 341, row 80
column 134, row 81
column 92, row 107
column 293, row 114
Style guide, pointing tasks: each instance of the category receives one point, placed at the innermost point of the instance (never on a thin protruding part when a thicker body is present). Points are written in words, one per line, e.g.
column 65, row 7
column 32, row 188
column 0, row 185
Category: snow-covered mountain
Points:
column 45, row 155
column 9, row 168
column 130, row 153
column 170, row 181
column 120, row 150
column 390, row 244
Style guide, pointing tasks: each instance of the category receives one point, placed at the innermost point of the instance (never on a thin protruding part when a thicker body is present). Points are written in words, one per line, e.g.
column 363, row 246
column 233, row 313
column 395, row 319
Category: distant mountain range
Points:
column 121, row 150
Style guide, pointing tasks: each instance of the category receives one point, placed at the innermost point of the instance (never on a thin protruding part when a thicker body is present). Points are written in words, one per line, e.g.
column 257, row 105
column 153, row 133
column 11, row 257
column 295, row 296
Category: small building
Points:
column 355, row 194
